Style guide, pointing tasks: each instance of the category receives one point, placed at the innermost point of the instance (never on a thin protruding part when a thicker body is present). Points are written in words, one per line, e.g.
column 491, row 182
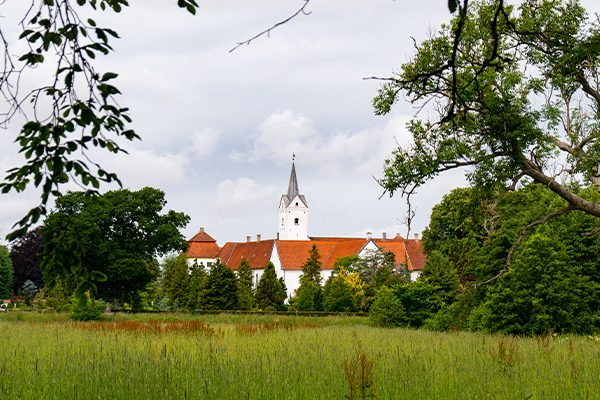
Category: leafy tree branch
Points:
column 76, row 111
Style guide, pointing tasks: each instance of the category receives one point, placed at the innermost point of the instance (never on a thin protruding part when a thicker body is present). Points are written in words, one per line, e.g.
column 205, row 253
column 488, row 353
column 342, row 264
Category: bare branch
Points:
column 577, row 203
column 587, row 88
column 301, row 10
column 523, row 234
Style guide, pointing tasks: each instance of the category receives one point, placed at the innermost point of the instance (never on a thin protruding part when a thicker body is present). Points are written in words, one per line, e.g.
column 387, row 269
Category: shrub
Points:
column 387, row 309
column 86, row 309
column 309, row 297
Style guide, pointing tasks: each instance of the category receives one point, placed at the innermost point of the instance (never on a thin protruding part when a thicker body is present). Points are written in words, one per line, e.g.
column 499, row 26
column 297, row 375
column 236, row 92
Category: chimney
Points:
column 277, row 235
column 416, row 236
column 258, row 237
column 398, row 236
column 384, row 235
column 201, row 229
column 369, row 235
column 248, row 238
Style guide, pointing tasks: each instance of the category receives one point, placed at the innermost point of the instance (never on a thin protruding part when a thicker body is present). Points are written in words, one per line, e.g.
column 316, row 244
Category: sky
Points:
column 219, row 129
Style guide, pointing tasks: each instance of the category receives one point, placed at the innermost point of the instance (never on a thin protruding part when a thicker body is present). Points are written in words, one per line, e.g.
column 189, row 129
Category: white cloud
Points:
column 142, row 167
column 285, row 133
column 204, row 142
column 241, row 196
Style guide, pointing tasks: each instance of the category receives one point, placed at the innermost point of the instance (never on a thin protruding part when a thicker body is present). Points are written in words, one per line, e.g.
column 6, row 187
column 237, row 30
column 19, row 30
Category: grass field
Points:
column 45, row 356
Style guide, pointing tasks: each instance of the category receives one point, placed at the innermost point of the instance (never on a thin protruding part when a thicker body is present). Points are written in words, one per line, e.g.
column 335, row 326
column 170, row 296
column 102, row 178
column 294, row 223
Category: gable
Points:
column 286, row 201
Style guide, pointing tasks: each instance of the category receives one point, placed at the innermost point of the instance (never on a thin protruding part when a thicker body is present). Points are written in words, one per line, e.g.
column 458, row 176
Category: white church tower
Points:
column 293, row 212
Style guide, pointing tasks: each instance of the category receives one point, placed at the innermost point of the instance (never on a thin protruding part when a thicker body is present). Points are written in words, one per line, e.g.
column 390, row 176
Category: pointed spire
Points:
column 293, row 186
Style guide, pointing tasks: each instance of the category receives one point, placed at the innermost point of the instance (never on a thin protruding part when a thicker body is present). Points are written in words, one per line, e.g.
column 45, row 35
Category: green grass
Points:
column 44, row 356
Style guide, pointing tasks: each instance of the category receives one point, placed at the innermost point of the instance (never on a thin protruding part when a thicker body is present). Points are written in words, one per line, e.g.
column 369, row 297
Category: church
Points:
column 290, row 249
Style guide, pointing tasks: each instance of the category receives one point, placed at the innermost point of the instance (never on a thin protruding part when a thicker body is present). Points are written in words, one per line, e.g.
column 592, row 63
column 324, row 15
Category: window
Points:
column 296, row 204
column 296, row 221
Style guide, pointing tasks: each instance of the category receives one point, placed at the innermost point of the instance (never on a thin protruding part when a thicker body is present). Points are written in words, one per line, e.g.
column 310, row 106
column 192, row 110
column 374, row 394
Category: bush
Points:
column 338, row 296
column 309, row 297
column 387, row 309
column 86, row 309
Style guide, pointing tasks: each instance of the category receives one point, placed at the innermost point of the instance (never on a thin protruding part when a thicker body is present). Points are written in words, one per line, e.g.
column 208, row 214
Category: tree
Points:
column 338, row 296
column 374, row 263
column 441, row 274
column 221, row 289
column 541, row 293
column 309, row 295
column 387, row 310
column 487, row 300
column 26, row 256
column 419, row 301
column 197, row 286
column 311, row 269
column 176, row 282
column 458, row 225
column 245, row 292
column 270, row 294
column 108, row 244
column 515, row 97
column 6, row 274
column 75, row 110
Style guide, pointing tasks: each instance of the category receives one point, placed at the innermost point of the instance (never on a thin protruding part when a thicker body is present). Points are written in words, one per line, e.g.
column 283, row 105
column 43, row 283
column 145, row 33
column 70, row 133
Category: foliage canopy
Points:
column 108, row 243
column 516, row 98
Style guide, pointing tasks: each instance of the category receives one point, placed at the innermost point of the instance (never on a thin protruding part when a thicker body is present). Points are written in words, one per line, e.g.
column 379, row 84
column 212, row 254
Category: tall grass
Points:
column 220, row 357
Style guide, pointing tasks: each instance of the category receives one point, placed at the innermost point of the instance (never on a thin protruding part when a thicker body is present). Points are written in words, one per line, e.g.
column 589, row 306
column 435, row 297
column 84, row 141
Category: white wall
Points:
column 287, row 227
column 414, row 275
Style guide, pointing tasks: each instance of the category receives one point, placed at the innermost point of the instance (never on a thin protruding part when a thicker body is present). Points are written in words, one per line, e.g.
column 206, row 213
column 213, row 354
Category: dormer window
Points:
column 296, row 221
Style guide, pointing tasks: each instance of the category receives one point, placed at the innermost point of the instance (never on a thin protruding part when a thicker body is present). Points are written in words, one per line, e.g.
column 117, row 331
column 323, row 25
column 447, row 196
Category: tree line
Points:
column 479, row 275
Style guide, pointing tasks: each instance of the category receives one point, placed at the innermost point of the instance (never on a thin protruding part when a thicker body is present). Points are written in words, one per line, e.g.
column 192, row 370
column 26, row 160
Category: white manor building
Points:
column 291, row 247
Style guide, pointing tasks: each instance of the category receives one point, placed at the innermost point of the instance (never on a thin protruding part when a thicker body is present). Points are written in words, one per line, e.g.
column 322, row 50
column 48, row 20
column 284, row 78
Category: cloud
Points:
column 203, row 143
column 242, row 196
column 285, row 133
column 142, row 167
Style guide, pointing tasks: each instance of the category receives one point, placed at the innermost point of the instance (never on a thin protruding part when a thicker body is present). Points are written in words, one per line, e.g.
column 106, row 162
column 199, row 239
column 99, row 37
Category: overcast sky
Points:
column 219, row 128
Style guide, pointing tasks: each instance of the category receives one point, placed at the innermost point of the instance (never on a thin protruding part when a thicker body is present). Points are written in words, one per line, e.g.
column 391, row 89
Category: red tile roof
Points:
column 258, row 254
column 293, row 253
column 202, row 250
column 395, row 246
column 202, row 236
column 416, row 257
column 202, row 245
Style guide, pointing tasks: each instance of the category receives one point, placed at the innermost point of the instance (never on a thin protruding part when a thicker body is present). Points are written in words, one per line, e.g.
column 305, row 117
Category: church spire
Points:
column 293, row 211
column 293, row 186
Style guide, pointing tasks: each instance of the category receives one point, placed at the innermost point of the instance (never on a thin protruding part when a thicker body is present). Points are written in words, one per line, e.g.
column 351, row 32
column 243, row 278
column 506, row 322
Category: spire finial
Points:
column 293, row 157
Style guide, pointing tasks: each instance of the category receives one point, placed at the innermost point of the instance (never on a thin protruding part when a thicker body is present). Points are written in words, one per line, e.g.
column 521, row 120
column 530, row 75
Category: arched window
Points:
column 296, row 221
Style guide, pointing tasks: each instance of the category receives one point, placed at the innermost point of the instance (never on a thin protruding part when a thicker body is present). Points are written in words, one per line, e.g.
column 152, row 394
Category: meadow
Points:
column 178, row 356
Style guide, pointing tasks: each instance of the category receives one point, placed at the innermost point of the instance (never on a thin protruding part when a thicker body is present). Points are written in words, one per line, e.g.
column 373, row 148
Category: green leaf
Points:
column 108, row 76
column 452, row 5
